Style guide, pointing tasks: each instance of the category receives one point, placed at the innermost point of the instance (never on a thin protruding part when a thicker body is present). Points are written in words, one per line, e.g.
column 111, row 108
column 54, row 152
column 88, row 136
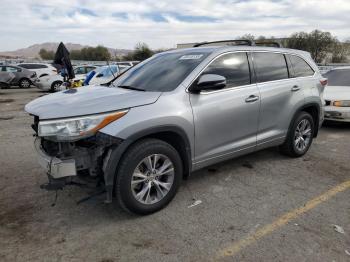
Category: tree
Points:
column 318, row 43
column 340, row 52
column 98, row 53
column 142, row 52
column 46, row 55
column 247, row 37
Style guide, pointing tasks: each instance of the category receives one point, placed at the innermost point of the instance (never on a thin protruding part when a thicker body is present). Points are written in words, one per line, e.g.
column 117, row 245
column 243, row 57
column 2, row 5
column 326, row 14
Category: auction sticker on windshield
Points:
column 188, row 57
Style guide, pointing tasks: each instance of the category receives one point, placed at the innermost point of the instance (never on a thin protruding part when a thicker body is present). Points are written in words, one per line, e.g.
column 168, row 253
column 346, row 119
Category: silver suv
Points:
column 177, row 112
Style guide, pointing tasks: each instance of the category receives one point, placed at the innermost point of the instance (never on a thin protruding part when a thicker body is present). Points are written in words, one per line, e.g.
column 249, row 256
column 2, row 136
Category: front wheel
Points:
column 299, row 136
column 148, row 176
column 24, row 83
column 55, row 85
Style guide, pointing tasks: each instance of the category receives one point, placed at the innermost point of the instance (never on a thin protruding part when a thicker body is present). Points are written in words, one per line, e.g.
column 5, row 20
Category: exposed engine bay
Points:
column 79, row 163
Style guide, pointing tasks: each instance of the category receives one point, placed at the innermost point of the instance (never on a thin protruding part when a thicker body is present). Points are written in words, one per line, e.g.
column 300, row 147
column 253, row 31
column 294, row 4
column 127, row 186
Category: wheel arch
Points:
column 314, row 110
column 173, row 135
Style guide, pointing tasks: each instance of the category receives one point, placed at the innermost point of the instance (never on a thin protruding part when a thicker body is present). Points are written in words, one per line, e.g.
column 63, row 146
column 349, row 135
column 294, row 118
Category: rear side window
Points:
column 270, row 66
column 234, row 67
column 39, row 66
column 301, row 68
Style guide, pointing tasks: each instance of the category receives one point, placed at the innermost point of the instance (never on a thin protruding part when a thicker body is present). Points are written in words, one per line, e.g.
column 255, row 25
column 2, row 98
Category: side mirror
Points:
column 100, row 75
column 209, row 82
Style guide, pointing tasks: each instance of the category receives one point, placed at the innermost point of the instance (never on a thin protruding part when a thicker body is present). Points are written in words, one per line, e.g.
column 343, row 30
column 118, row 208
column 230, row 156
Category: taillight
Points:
column 324, row 81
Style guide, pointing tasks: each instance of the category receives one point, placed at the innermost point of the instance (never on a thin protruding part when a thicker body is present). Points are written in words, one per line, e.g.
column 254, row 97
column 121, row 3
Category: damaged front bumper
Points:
column 86, row 160
column 55, row 167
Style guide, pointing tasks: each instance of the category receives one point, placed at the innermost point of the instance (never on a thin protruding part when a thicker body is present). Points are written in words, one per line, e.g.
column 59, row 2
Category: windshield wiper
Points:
column 132, row 88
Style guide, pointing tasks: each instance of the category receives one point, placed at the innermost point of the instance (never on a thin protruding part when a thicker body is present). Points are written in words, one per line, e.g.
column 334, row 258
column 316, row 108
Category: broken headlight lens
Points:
column 71, row 129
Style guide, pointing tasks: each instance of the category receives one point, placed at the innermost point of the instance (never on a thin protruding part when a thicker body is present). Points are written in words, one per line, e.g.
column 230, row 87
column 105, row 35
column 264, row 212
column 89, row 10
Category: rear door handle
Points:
column 251, row 99
column 295, row 88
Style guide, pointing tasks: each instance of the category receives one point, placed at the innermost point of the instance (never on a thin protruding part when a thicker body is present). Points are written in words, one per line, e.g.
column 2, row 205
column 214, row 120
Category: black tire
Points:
column 55, row 85
column 24, row 83
column 131, row 159
column 289, row 147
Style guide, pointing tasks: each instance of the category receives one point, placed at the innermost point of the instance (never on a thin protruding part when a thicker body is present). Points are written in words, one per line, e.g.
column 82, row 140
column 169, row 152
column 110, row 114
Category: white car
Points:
column 105, row 74
column 39, row 68
column 53, row 82
column 337, row 94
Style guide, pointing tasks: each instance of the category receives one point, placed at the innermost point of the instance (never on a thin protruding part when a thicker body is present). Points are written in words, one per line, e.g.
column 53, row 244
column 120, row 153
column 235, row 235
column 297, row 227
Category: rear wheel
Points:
column 148, row 176
column 55, row 85
column 24, row 83
column 300, row 136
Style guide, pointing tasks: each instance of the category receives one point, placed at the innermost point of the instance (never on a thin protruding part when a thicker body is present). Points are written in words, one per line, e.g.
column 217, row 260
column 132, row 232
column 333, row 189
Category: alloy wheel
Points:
column 25, row 83
column 152, row 179
column 302, row 135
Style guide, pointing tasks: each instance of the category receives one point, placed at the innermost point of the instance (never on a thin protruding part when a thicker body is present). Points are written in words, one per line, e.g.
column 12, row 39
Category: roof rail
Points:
column 242, row 42
column 229, row 42
column 269, row 43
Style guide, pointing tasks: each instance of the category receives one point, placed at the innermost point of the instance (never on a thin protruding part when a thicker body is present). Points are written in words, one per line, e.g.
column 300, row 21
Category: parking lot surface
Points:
column 260, row 207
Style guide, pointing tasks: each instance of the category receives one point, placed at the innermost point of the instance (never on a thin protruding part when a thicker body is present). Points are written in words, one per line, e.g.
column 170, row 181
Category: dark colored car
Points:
column 11, row 75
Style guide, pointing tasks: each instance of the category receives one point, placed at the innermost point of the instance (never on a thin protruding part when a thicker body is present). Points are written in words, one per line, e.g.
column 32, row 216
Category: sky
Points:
column 163, row 23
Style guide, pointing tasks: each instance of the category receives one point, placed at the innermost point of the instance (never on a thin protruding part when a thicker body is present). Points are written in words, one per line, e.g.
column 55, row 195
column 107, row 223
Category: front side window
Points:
column 301, row 68
column 163, row 72
column 270, row 66
column 234, row 67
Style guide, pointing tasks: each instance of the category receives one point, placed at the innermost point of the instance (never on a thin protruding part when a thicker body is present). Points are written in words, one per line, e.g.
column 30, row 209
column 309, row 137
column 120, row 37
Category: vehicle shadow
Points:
column 336, row 125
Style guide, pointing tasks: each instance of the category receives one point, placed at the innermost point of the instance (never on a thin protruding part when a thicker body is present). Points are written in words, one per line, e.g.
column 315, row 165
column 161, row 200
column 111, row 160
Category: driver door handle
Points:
column 295, row 88
column 251, row 99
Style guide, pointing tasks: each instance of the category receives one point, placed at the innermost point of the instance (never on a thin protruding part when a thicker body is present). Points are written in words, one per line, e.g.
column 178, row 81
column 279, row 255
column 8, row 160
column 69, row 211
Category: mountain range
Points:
column 33, row 50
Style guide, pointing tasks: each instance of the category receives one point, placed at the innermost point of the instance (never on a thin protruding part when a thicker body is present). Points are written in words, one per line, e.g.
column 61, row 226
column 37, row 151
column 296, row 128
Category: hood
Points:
column 88, row 100
column 337, row 93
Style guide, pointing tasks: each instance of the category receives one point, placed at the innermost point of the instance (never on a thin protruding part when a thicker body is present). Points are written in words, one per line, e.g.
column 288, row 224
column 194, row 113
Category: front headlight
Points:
column 72, row 129
column 342, row 103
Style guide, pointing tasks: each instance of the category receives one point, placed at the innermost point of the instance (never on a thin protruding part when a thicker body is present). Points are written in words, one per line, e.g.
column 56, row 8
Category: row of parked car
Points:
column 47, row 78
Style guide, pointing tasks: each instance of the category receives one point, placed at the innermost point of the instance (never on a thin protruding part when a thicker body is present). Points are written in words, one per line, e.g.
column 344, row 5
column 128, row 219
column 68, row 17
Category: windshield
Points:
column 107, row 71
column 339, row 77
column 163, row 72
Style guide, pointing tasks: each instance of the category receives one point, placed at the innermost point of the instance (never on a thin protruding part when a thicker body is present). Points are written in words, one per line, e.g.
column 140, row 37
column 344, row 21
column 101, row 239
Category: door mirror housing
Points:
column 209, row 82
column 100, row 75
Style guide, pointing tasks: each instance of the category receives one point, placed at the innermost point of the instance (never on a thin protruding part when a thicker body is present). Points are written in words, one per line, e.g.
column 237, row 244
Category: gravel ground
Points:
column 239, row 197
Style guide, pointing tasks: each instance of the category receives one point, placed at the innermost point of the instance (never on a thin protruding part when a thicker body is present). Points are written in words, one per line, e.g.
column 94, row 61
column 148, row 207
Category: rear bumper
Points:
column 341, row 114
column 57, row 168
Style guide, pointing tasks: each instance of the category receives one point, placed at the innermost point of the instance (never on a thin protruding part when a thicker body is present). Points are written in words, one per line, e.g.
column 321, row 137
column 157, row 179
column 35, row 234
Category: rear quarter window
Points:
column 301, row 67
column 270, row 66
